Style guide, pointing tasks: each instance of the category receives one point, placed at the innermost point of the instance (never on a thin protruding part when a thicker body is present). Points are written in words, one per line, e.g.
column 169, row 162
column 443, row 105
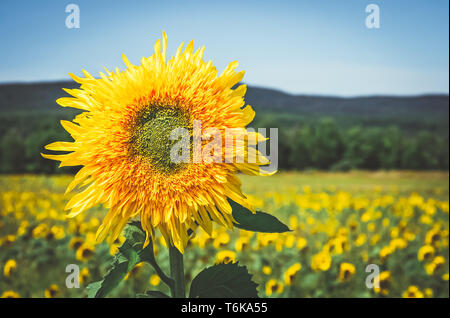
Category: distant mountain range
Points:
column 42, row 96
column 271, row 99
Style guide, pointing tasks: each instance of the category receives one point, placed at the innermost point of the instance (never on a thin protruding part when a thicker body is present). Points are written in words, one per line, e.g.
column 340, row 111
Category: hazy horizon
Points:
column 255, row 86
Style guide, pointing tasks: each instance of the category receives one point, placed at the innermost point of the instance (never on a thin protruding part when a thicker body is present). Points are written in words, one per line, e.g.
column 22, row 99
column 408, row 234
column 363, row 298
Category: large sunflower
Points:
column 122, row 141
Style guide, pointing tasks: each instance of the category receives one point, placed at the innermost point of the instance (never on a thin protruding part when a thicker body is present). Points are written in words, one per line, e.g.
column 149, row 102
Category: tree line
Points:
column 322, row 145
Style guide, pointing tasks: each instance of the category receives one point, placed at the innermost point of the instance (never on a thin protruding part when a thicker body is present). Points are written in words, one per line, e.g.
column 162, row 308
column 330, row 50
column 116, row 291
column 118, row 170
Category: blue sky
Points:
column 305, row 47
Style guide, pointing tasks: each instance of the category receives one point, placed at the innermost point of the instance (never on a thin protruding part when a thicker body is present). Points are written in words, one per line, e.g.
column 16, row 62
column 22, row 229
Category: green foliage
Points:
column 12, row 149
column 128, row 256
column 224, row 281
column 258, row 222
column 315, row 132
column 326, row 146
column 23, row 137
column 152, row 294
column 322, row 143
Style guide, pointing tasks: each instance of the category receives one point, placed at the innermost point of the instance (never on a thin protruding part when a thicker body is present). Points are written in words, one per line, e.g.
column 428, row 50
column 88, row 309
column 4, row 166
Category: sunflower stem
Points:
column 151, row 259
column 177, row 272
column 167, row 280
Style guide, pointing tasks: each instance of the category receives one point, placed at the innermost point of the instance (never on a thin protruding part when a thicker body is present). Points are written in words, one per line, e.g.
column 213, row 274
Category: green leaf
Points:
column 93, row 288
column 115, row 275
column 134, row 231
column 128, row 256
column 224, row 280
column 152, row 294
column 258, row 222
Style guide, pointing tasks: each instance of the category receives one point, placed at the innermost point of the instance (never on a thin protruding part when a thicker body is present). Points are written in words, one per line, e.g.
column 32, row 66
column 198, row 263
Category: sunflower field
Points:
column 340, row 224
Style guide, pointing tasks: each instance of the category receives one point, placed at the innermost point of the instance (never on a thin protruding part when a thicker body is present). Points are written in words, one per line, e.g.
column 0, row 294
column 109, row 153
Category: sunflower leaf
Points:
column 224, row 281
column 152, row 294
column 134, row 232
column 115, row 275
column 258, row 222
column 128, row 256
column 93, row 288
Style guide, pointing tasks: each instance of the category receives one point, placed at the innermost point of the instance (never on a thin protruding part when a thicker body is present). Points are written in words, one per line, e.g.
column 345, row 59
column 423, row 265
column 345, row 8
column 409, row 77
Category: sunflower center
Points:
column 347, row 274
column 87, row 253
column 151, row 138
column 292, row 278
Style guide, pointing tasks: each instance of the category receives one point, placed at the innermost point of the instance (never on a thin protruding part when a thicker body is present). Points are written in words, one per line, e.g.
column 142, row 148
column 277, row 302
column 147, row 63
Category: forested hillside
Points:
column 315, row 132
